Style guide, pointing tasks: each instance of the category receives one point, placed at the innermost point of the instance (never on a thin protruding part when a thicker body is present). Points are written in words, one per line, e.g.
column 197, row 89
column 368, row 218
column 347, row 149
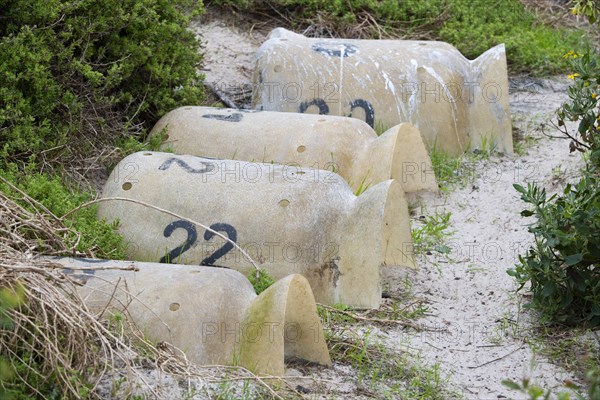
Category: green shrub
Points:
column 472, row 26
column 100, row 68
column 584, row 98
column 563, row 267
column 9, row 299
column 261, row 282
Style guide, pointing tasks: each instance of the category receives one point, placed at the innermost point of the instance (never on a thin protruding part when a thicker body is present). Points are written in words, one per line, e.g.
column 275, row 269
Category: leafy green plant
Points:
column 9, row 299
column 584, row 98
column 588, row 8
column 97, row 237
column 99, row 69
column 536, row 392
column 261, row 282
column 432, row 234
column 450, row 171
column 562, row 266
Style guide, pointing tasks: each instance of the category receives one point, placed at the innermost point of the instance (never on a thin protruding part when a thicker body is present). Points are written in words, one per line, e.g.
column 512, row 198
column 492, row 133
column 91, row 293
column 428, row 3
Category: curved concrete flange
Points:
column 347, row 146
column 455, row 103
column 288, row 219
column 212, row 314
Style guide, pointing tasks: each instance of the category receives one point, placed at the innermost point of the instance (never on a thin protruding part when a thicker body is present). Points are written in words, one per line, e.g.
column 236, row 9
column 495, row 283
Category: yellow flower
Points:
column 594, row 95
column 571, row 54
column 573, row 76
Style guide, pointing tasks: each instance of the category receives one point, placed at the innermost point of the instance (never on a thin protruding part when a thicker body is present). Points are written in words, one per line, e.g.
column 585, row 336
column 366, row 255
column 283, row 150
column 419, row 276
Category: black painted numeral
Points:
column 367, row 107
column 320, row 103
column 189, row 241
column 235, row 117
column 358, row 103
column 335, row 49
column 206, row 166
column 231, row 234
column 193, row 237
column 83, row 275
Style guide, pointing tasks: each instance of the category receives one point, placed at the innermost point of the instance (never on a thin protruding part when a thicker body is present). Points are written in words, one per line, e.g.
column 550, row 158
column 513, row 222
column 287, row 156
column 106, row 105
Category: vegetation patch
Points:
column 472, row 26
column 380, row 371
column 73, row 71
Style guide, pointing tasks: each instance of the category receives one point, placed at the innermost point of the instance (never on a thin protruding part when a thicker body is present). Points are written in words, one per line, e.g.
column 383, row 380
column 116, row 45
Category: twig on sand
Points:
column 496, row 359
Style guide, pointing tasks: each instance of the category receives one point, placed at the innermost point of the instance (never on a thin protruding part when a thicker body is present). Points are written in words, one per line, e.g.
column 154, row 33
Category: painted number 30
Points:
column 323, row 108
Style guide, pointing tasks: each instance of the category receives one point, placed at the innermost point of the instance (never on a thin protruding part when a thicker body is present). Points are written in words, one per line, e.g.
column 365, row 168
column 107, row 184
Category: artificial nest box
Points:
column 347, row 146
column 457, row 104
column 288, row 219
column 212, row 314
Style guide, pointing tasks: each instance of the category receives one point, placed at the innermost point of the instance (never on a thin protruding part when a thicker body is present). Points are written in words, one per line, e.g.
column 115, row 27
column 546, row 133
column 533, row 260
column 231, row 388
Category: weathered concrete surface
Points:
column 346, row 145
column 290, row 220
column 212, row 314
column 455, row 103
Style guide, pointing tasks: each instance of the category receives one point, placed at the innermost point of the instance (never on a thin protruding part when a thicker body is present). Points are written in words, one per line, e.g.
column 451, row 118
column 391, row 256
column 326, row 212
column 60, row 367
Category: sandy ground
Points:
column 468, row 291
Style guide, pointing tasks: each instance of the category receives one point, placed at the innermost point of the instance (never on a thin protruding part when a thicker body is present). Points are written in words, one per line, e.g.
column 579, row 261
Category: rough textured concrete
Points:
column 346, row 145
column 212, row 314
column 455, row 103
column 289, row 220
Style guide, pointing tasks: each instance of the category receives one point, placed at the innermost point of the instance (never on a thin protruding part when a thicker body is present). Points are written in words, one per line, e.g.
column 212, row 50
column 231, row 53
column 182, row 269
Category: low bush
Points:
column 563, row 268
column 93, row 69
column 471, row 26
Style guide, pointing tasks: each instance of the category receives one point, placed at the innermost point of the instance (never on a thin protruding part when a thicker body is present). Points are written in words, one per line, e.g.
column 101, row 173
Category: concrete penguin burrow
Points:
column 346, row 145
column 290, row 220
column 212, row 314
column 456, row 103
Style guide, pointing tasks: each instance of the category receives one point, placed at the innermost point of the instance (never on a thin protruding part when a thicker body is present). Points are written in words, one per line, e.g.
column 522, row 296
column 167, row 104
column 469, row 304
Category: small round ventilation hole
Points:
column 284, row 203
column 301, row 149
column 174, row 306
column 277, row 68
column 127, row 186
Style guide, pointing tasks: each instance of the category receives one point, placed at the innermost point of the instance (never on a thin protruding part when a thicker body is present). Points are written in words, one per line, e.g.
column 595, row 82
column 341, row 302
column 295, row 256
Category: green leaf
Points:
column 549, row 289
column 573, row 259
column 443, row 249
column 519, row 188
column 527, row 213
column 511, row 384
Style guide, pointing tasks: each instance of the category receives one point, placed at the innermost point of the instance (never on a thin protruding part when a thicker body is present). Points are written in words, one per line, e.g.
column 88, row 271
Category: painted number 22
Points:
column 192, row 237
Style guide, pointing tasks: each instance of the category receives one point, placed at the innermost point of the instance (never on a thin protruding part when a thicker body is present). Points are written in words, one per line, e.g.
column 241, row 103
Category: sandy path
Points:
column 469, row 291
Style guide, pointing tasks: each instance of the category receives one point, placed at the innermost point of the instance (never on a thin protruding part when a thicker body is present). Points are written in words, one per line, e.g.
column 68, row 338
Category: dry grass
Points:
column 267, row 15
column 50, row 338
